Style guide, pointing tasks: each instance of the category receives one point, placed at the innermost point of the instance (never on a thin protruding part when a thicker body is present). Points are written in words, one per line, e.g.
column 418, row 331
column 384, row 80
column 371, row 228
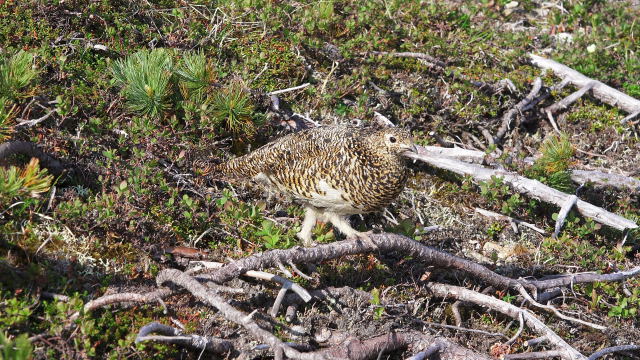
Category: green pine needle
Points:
column 16, row 73
column 146, row 80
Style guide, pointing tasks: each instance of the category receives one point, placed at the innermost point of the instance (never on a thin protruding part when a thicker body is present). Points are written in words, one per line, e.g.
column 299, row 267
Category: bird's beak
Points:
column 409, row 150
column 412, row 148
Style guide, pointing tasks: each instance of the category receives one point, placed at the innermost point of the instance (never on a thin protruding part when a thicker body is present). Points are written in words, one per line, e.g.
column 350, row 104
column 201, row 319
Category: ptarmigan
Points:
column 333, row 171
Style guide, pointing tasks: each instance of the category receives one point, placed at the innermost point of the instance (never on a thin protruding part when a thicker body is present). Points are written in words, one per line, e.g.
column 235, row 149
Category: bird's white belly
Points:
column 331, row 198
column 335, row 200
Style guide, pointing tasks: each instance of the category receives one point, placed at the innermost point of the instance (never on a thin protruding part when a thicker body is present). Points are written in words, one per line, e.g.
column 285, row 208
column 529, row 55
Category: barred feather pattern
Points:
column 340, row 169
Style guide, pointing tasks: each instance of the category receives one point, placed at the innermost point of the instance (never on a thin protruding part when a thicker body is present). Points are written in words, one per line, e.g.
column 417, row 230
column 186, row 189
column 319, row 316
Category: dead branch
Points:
column 613, row 349
column 569, row 203
column 630, row 117
column 511, row 220
column 286, row 284
column 385, row 242
column 507, row 118
column 30, row 149
column 572, row 279
column 567, row 101
column 535, row 355
column 34, row 122
column 372, row 348
column 601, row 91
column 470, row 156
column 299, row 87
column 175, row 336
column 604, row 179
column 595, row 177
column 459, row 293
column 201, row 292
column 532, row 188
column 535, row 341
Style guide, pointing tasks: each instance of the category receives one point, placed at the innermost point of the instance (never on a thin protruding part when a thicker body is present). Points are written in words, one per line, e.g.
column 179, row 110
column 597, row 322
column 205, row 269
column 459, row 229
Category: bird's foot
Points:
column 306, row 240
column 364, row 237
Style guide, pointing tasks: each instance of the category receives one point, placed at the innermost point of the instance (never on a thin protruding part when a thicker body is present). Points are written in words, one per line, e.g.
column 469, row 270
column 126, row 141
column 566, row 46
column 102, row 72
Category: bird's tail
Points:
column 242, row 167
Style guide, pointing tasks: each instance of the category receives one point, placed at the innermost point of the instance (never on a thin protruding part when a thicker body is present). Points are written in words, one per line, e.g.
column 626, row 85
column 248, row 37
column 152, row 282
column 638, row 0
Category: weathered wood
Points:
column 529, row 187
column 601, row 91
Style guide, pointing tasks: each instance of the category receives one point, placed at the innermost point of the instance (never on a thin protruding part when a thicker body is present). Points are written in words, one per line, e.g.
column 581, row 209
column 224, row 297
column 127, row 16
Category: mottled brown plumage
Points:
column 334, row 171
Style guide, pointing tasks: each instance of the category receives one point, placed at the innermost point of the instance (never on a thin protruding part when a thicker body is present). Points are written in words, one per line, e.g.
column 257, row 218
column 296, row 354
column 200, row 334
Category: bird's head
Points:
column 397, row 141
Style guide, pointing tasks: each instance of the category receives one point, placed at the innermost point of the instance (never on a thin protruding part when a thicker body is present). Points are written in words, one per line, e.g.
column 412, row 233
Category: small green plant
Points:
column 146, row 81
column 378, row 311
column 494, row 230
column 272, row 236
column 494, row 189
column 194, row 75
column 627, row 307
column 30, row 182
column 512, row 204
column 18, row 348
column 552, row 167
column 16, row 73
column 7, row 113
column 557, row 152
column 232, row 108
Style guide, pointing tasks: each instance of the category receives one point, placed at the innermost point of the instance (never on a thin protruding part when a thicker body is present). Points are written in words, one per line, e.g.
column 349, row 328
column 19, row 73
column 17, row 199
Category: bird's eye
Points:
column 392, row 139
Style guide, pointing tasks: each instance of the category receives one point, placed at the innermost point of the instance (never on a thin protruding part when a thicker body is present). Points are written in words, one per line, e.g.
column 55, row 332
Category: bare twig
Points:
column 458, row 328
column 552, row 121
column 299, row 87
column 630, row 117
column 385, row 242
column 34, row 122
column 172, row 335
column 495, row 215
column 573, row 97
column 562, row 214
column 470, row 156
column 31, row 149
column 428, row 58
column 450, row 291
column 613, row 349
column 601, row 91
column 507, row 118
column 604, row 179
column 526, row 186
column 304, row 294
column 517, row 334
column 557, row 313
column 200, row 291
column 566, row 280
column 535, row 341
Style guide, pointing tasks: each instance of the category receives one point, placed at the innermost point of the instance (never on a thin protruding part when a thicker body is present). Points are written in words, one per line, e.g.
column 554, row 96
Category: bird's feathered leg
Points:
column 341, row 222
column 310, row 216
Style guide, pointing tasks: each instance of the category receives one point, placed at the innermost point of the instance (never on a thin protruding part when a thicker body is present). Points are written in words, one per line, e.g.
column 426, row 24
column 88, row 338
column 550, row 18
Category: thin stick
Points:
column 517, row 334
column 535, row 355
column 601, row 91
column 562, row 214
column 460, row 293
column 573, row 97
column 526, row 186
column 613, row 349
column 495, row 215
column 31, row 123
column 415, row 55
column 288, row 89
column 507, row 118
column 304, row 294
